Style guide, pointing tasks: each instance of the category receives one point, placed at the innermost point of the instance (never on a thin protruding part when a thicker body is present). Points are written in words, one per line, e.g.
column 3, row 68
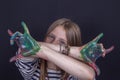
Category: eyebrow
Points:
column 51, row 34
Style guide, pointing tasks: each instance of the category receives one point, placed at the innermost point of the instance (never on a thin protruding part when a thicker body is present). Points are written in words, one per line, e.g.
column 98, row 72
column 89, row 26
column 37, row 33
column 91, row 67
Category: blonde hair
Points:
column 73, row 35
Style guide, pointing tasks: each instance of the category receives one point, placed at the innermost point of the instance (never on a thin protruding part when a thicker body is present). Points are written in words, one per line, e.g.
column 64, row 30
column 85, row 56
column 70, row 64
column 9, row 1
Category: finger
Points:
column 14, row 58
column 106, row 51
column 25, row 27
column 19, row 50
column 102, row 47
column 10, row 32
column 109, row 49
column 96, row 39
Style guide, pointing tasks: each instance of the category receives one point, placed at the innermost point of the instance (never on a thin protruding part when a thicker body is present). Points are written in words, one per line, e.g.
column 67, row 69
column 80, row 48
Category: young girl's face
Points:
column 57, row 36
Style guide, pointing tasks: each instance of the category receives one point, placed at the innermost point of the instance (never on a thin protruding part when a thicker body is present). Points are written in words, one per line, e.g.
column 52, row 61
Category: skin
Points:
column 70, row 65
column 57, row 36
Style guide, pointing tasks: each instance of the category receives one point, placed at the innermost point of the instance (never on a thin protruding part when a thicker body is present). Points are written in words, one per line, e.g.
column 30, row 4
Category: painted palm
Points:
column 92, row 51
column 25, row 42
column 29, row 46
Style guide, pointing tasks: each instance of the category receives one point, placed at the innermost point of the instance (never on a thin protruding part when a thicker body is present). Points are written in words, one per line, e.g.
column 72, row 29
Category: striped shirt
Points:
column 30, row 70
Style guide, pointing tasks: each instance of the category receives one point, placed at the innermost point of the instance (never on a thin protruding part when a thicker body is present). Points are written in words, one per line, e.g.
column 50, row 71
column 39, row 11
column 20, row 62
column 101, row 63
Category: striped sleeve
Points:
column 29, row 68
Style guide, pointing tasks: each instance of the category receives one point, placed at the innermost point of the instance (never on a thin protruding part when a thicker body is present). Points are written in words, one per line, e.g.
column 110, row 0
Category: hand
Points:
column 92, row 51
column 25, row 42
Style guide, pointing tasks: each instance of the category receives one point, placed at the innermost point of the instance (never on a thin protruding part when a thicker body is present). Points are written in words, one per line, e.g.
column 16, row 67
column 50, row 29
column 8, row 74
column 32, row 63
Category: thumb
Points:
column 108, row 50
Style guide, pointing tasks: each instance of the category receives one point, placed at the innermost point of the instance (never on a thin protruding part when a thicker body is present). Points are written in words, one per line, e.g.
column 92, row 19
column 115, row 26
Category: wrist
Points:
column 64, row 49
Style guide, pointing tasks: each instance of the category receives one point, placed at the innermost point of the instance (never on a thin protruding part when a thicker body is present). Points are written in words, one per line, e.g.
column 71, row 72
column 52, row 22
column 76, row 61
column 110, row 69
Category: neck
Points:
column 52, row 66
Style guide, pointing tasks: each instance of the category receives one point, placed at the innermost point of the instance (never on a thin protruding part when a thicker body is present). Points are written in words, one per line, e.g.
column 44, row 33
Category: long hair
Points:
column 73, row 35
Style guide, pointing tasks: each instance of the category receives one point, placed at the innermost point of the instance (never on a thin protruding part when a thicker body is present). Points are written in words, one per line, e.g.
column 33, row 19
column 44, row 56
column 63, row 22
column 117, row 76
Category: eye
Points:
column 50, row 37
column 62, row 42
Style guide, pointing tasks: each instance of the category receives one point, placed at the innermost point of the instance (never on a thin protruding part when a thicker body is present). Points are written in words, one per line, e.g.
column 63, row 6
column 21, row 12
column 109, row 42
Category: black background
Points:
column 93, row 17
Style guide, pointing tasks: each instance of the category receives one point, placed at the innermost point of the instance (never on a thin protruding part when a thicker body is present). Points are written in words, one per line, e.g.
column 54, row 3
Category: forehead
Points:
column 59, row 32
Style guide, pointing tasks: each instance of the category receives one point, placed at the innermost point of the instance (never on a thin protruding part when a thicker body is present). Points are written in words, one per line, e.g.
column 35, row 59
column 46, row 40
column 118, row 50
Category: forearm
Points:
column 68, row 64
column 73, row 52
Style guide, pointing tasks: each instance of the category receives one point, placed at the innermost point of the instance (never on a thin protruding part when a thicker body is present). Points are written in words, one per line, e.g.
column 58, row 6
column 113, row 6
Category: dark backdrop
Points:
column 93, row 16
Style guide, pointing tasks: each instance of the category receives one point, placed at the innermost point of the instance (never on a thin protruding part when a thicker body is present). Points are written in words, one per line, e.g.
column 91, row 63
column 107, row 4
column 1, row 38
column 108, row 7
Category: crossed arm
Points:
column 73, row 63
column 73, row 52
column 51, row 53
column 67, row 63
column 72, row 66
